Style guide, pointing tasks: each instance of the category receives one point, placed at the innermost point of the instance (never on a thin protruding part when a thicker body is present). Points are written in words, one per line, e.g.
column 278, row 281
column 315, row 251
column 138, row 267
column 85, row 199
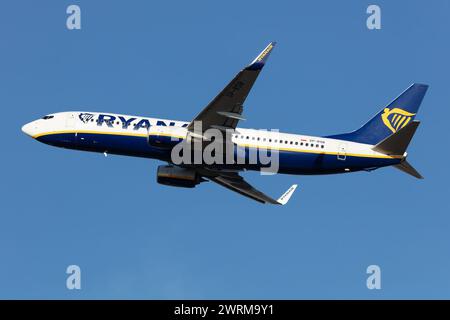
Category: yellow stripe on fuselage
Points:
column 144, row 135
column 90, row 132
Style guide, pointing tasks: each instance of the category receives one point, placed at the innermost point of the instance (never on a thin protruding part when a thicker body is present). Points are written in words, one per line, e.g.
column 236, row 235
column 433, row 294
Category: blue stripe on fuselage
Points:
column 289, row 161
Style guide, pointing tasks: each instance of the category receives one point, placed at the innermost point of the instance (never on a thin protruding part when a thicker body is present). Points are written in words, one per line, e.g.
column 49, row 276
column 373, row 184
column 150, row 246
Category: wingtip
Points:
column 259, row 62
column 287, row 195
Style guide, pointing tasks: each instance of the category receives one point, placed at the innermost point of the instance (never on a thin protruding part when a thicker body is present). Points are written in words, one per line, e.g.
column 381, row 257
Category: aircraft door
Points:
column 71, row 127
column 342, row 151
column 70, row 121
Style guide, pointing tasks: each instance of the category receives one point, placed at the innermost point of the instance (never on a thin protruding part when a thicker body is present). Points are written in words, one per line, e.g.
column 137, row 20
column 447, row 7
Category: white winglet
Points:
column 287, row 195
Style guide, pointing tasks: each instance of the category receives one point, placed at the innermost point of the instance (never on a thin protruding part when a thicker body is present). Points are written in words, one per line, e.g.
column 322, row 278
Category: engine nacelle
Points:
column 165, row 137
column 177, row 177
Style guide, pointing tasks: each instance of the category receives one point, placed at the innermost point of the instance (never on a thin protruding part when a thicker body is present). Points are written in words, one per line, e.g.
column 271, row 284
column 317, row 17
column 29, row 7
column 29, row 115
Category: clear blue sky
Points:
column 134, row 238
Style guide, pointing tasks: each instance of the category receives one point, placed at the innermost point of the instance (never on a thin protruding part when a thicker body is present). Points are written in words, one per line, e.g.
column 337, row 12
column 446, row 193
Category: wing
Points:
column 236, row 183
column 225, row 110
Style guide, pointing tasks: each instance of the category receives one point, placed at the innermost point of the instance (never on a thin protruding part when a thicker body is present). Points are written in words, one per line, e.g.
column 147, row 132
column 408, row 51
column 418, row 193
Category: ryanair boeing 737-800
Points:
column 381, row 142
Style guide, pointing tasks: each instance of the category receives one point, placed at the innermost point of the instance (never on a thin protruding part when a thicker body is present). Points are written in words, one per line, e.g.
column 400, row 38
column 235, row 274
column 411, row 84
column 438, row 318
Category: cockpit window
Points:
column 47, row 117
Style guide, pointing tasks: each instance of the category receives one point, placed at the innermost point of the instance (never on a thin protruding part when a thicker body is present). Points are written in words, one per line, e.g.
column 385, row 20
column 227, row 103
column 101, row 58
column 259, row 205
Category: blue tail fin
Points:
column 390, row 119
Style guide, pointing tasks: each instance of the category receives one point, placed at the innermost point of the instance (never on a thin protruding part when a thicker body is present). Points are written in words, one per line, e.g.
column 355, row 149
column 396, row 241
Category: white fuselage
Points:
column 87, row 131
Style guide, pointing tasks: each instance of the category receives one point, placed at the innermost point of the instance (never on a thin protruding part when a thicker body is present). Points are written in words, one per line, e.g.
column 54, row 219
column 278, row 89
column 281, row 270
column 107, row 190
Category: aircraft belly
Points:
column 312, row 163
column 288, row 161
column 113, row 144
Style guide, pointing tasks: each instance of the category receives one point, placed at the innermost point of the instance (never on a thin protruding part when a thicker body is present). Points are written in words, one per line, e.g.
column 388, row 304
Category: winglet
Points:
column 261, row 59
column 287, row 195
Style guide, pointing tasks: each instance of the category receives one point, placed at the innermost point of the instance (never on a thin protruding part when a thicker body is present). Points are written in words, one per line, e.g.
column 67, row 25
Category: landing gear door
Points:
column 342, row 151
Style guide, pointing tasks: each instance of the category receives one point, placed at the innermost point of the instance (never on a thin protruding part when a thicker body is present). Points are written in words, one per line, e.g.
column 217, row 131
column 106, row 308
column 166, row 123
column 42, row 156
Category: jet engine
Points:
column 178, row 177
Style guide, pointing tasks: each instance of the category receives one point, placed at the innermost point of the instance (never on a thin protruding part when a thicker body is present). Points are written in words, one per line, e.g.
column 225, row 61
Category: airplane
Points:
column 381, row 142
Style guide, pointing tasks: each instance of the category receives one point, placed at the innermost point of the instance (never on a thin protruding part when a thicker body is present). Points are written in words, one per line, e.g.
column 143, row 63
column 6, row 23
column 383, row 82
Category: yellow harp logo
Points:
column 396, row 118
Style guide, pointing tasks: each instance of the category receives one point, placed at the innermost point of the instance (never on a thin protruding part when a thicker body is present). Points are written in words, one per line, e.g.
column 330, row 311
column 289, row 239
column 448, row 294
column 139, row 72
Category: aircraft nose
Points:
column 29, row 129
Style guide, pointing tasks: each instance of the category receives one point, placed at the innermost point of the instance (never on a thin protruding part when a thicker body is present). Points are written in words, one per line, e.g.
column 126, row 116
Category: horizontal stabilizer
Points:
column 397, row 143
column 409, row 169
